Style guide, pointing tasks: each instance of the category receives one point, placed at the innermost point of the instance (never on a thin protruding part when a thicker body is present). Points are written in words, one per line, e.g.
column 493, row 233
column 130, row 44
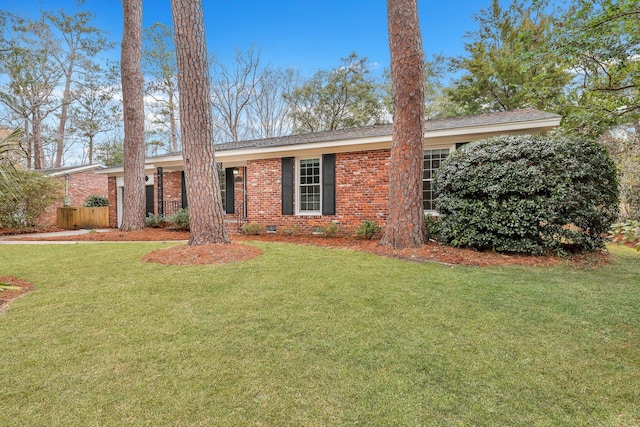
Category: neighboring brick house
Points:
column 80, row 182
column 313, row 179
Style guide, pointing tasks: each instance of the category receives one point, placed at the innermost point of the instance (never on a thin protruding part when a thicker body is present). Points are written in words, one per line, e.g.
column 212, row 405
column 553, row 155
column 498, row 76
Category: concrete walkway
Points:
column 16, row 239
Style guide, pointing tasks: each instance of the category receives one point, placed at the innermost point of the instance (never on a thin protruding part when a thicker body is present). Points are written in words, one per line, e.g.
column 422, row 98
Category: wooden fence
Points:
column 74, row 218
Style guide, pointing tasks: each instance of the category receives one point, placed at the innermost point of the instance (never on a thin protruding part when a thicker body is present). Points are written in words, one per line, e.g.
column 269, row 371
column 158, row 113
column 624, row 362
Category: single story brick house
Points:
column 313, row 179
column 80, row 182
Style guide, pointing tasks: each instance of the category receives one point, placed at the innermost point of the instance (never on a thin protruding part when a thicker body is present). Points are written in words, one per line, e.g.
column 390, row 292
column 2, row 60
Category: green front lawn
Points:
column 311, row 336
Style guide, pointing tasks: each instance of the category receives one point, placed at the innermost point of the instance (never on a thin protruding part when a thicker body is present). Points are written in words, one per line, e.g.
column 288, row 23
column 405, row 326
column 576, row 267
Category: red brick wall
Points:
column 362, row 187
column 80, row 186
column 172, row 183
column 264, row 192
column 113, row 202
column 362, row 190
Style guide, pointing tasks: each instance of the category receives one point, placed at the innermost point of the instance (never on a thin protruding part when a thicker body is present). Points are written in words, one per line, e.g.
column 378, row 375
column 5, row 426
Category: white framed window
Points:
column 309, row 186
column 432, row 160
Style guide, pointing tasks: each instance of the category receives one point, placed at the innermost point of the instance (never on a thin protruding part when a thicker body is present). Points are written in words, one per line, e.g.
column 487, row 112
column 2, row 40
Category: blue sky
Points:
column 307, row 34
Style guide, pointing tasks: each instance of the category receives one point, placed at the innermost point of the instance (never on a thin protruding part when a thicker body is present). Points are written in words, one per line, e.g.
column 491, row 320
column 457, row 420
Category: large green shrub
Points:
column 96, row 201
column 33, row 193
column 527, row 194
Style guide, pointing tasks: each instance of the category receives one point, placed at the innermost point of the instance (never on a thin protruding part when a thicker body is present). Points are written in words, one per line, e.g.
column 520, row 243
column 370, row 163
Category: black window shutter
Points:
column 229, row 187
column 184, row 203
column 287, row 185
column 329, row 184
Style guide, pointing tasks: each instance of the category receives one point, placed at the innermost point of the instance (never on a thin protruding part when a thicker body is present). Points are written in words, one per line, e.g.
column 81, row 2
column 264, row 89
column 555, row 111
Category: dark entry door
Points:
column 150, row 204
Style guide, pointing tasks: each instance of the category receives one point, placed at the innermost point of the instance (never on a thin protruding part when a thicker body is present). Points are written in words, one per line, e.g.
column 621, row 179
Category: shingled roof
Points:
column 386, row 130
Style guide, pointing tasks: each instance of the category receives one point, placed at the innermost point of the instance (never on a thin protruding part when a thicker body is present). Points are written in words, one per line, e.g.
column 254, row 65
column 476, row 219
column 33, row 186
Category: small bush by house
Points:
column 96, row 201
column 331, row 229
column 368, row 229
column 253, row 228
column 154, row 221
column 527, row 194
column 179, row 220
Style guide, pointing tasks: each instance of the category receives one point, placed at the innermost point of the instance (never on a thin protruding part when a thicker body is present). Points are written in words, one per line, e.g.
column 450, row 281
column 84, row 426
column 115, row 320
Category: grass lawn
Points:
column 307, row 336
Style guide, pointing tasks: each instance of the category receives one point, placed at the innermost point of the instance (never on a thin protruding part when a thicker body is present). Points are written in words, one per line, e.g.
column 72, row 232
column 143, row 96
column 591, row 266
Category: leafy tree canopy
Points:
column 506, row 67
column 345, row 97
column 600, row 44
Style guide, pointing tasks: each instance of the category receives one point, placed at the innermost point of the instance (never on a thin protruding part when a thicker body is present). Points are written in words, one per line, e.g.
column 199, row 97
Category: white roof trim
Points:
column 431, row 138
column 76, row 170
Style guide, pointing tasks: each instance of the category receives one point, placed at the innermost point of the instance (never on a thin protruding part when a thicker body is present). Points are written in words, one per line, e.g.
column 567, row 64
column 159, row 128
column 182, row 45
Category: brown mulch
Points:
column 8, row 295
column 203, row 254
column 431, row 252
column 437, row 252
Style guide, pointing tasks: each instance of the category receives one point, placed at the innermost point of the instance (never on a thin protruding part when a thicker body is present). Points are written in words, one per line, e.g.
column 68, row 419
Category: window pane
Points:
column 432, row 160
column 309, row 187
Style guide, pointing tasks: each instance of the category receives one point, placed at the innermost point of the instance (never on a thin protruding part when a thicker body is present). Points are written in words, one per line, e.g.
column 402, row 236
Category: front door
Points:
column 150, row 204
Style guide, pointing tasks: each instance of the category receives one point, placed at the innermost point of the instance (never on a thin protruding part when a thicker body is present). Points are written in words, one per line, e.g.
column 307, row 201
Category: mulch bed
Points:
column 8, row 295
column 203, row 254
column 431, row 252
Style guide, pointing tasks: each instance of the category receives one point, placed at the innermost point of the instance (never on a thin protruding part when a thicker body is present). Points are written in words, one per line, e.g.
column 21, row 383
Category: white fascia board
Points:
column 111, row 171
column 119, row 171
column 478, row 132
column 77, row 169
column 338, row 146
column 167, row 162
column 151, row 165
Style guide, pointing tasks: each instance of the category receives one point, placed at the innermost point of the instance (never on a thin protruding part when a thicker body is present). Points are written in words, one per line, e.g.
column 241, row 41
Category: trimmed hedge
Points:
column 527, row 194
column 96, row 201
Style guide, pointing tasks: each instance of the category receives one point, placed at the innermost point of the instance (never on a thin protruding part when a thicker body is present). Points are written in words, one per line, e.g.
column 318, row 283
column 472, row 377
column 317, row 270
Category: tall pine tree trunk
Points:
column 133, row 208
column 206, row 218
column 405, row 224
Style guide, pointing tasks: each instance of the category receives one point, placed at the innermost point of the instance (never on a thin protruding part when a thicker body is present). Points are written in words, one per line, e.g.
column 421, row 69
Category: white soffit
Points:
column 432, row 137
